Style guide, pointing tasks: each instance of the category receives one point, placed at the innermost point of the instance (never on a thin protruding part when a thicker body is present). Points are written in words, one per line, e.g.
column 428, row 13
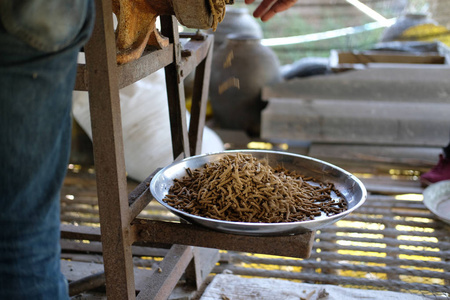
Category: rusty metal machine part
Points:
column 136, row 22
column 136, row 26
column 200, row 14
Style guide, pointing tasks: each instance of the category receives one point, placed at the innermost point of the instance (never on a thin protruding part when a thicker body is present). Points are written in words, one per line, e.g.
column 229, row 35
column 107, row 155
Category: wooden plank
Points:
column 341, row 61
column 146, row 231
column 151, row 61
column 199, row 101
column 148, row 63
column 104, row 104
column 228, row 286
column 194, row 51
column 128, row 73
column 81, row 80
column 74, row 270
column 365, row 57
column 140, row 197
column 203, row 262
column 161, row 283
column 87, row 283
column 80, row 232
column 175, row 91
column 96, row 247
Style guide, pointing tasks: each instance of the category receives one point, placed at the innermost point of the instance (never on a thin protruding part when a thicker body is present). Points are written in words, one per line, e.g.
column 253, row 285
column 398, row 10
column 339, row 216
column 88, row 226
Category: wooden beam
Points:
column 104, row 104
column 199, row 101
column 147, row 231
column 162, row 282
column 175, row 91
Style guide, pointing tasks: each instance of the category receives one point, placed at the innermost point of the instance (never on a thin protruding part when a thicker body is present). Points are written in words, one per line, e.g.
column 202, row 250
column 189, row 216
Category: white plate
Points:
column 436, row 198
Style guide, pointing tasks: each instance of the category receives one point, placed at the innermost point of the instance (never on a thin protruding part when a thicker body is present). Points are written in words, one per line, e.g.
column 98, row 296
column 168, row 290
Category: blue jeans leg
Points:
column 35, row 132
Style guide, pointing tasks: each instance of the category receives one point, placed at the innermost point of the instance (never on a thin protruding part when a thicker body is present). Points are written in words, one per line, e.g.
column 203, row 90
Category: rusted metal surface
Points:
column 104, row 106
column 193, row 14
column 136, row 26
column 176, row 233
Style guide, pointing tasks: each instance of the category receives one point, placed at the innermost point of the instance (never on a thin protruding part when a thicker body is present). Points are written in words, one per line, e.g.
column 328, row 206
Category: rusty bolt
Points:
column 186, row 53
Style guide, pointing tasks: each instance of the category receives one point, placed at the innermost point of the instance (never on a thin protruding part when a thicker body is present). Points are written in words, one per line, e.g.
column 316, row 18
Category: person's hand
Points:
column 268, row 8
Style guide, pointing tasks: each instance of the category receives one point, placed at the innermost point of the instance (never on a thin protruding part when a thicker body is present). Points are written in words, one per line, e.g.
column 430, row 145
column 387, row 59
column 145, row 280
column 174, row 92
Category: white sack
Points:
column 145, row 124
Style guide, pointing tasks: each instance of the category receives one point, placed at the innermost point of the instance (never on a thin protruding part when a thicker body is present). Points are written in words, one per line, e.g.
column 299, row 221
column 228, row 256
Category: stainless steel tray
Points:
column 347, row 184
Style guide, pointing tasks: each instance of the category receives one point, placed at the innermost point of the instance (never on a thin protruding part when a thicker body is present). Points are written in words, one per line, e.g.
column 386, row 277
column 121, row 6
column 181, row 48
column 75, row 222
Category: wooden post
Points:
column 175, row 91
column 104, row 103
